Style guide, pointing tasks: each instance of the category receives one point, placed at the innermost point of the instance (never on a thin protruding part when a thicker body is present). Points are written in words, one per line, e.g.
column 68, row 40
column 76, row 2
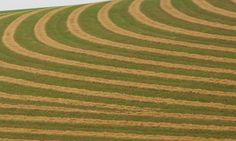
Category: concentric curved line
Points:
column 171, row 88
column 15, row 46
column 76, row 30
column 8, row 39
column 124, row 123
column 170, row 9
column 209, row 7
column 127, row 112
column 103, row 17
column 114, row 135
column 123, row 96
column 42, row 36
column 134, row 10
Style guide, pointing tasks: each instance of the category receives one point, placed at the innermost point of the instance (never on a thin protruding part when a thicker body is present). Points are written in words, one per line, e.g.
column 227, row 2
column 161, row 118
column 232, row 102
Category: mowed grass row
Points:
column 147, row 108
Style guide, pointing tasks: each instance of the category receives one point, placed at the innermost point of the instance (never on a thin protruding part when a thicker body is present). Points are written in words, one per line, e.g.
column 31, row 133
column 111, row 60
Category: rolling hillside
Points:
column 124, row 70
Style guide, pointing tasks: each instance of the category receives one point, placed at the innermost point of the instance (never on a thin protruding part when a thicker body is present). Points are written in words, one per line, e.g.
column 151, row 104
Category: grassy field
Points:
column 120, row 70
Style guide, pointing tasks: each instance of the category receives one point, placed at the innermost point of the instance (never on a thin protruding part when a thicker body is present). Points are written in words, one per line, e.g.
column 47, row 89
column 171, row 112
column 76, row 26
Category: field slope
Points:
column 124, row 70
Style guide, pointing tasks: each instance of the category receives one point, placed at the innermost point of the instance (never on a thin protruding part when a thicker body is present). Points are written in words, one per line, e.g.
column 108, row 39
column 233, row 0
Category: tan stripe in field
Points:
column 135, row 11
column 75, row 29
column 9, row 15
column 103, row 17
column 209, row 7
column 9, row 41
column 233, row 1
column 117, row 95
column 106, row 135
column 49, row 108
column 127, row 112
column 170, row 9
column 123, row 123
column 6, row 139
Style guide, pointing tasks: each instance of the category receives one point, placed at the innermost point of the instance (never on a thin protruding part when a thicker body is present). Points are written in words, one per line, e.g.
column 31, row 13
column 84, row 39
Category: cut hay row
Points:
column 135, row 11
column 170, row 9
column 209, row 7
column 6, row 139
column 75, row 121
column 9, row 15
column 233, row 1
column 47, row 108
column 105, row 135
column 36, row 105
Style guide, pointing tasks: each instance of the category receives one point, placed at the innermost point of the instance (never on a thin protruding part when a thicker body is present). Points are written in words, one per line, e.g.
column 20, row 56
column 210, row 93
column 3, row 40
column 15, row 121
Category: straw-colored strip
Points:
column 106, row 135
column 204, row 4
column 9, row 15
column 124, row 123
column 170, row 9
column 6, row 139
column 134, row 10
column 234, row 1
column 48, row 108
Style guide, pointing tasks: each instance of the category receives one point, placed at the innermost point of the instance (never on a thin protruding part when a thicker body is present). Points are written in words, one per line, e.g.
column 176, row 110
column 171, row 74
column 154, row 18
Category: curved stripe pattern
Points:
column 209, row 7
column 167, row 6
column 135, row 11
column 45, row 94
